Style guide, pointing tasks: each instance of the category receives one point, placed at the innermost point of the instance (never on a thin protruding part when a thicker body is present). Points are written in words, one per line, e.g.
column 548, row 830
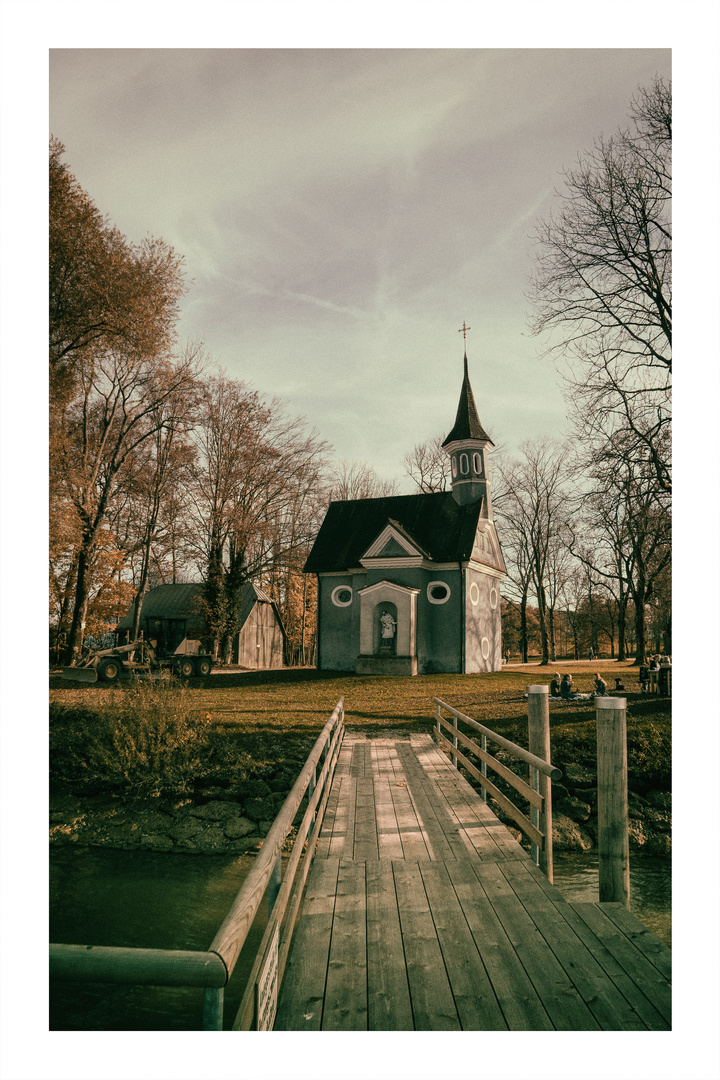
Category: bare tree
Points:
column 356, row 480
column 518, row 584
column 427, row 465
column 626, row 541
column 530, row 504
column 602, row 284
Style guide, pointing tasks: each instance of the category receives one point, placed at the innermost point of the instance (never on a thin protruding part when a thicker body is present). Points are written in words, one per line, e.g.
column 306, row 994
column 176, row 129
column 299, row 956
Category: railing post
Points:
column 274, row 883
column 539, row 744
column 455, row 741
column 213, row 1008
column 612, row 776
column 311, row 789
column 483, row 767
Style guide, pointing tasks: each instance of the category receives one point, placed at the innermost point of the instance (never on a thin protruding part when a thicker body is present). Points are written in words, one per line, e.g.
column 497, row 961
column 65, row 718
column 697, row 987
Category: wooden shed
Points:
column 172, row 614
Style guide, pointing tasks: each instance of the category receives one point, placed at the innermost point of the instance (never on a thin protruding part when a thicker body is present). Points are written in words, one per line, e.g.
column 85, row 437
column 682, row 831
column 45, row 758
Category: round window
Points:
column 464, row 467
column 454, row 466
column 485, row 646
column 341, row 596
column 493, row 597
column 474, row 594
column 438, row 592
column 476, row 464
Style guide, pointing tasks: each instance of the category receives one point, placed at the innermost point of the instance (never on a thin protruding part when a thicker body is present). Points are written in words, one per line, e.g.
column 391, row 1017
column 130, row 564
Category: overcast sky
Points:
column 342, row 213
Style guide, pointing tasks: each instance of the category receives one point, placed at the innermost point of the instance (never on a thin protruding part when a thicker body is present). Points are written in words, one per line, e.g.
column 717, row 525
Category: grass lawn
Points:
column 248, row 710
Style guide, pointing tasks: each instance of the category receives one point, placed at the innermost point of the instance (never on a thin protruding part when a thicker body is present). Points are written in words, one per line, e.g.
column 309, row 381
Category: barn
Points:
column 172, row 614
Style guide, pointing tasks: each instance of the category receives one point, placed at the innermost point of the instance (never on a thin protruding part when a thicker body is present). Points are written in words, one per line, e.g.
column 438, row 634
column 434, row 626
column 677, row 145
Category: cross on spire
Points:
column 463, row 330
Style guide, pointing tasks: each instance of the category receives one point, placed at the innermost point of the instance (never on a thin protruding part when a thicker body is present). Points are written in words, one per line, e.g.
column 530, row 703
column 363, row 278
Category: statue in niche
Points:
column 387, row 625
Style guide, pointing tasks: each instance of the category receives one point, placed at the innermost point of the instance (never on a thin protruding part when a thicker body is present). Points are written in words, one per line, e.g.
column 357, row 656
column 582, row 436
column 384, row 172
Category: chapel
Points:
column 410, row 584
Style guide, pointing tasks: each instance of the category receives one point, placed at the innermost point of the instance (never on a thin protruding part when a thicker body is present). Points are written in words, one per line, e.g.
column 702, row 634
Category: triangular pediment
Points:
column 486, row 548
column 393, row 543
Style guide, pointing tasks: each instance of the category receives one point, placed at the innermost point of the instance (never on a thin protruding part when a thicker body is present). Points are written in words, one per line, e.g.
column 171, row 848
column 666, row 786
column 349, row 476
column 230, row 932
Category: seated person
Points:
column 555, row 685
column 600, row 687
column 644, row 677
column 566, row 686
column 619, row 686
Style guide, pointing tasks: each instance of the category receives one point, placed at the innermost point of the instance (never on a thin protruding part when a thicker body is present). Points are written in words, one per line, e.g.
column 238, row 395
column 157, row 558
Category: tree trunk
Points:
column 542, row 615
column 640, row 639
column 621, row 629
column 523, row 628
column 82, row 592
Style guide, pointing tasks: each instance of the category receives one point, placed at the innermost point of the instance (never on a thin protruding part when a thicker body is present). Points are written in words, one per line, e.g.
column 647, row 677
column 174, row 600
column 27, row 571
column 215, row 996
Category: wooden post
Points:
column 483, row 767
column 275, row 883
column 213, row 1009
column 539, row 744
column 613, row 841
column 455, row 742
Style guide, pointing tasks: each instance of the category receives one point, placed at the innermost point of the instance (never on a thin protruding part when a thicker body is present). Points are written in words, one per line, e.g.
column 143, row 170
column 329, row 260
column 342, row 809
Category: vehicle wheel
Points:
column 204, row 667
column 110, row 670
column 187, row 669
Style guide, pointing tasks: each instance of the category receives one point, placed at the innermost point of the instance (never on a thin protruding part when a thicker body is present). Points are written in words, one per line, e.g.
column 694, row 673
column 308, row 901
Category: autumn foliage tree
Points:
column 113, row 307
column 252, row 496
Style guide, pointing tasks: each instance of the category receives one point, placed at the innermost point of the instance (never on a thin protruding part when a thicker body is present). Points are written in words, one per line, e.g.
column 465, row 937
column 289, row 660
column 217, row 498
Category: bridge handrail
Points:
column 525, row 755
column 141, row 967
column 538, row 828
column 212, row 969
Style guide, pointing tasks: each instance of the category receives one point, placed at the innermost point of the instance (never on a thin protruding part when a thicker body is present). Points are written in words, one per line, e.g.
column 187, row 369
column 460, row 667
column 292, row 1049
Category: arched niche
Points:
column 404, row 601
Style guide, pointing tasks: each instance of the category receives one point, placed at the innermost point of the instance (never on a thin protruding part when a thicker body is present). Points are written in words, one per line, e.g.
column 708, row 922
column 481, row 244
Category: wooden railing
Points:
column 537, row 827
column 213, row 969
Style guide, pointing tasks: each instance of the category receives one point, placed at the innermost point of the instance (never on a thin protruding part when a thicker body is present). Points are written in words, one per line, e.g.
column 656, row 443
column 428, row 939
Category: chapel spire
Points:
column 466, row 445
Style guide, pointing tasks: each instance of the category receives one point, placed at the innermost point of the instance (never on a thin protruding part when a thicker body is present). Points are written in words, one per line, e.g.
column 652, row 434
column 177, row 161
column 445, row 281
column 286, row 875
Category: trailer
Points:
column 139, row 657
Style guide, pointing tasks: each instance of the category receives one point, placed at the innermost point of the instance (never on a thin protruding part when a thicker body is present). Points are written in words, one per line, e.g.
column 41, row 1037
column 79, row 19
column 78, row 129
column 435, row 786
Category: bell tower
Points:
column 467, row 444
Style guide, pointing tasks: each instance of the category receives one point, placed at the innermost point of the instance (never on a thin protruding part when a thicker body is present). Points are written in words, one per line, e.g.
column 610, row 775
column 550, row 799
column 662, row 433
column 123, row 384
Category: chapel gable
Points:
column 486, row 549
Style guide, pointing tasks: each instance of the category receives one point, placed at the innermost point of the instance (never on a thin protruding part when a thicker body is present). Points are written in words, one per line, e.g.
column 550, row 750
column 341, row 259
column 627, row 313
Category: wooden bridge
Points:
column 405, row 904
column 422, row 912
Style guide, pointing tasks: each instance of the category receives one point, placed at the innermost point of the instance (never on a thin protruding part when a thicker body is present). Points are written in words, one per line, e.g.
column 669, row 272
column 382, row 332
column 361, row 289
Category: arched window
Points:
column 477, row 463
column 464, row 466
column 454, row 465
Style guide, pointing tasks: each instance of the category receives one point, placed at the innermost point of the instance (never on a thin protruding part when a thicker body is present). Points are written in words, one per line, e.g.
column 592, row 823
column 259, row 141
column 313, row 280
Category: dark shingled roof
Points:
column 167, row 602
column 467, row 423
column 183, row 601
column 434, row 522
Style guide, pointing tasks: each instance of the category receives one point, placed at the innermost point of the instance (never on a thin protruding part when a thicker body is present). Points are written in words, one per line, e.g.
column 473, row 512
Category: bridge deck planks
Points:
column 422, row 912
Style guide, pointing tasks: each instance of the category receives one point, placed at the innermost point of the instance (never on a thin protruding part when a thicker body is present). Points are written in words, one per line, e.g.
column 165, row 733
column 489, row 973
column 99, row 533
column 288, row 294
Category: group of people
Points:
column 564, row 688
column 660, row 665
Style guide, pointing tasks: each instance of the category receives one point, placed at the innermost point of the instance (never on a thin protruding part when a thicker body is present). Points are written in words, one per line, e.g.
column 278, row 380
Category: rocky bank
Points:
column 235, row 819
column 574, row 809
column 211, row 821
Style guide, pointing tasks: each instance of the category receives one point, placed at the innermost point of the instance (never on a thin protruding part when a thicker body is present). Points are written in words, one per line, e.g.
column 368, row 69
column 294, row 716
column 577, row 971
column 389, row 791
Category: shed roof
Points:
column 167, row 602
column 183, row 601
column 435, row 522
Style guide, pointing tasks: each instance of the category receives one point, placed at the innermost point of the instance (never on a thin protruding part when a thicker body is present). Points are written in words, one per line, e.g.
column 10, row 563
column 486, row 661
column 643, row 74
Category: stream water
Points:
column 167, row 901
column 146, row 900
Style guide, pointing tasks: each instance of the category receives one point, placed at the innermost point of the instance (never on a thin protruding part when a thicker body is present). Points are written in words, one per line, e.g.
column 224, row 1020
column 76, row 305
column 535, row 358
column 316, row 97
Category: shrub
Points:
column 144, row 739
